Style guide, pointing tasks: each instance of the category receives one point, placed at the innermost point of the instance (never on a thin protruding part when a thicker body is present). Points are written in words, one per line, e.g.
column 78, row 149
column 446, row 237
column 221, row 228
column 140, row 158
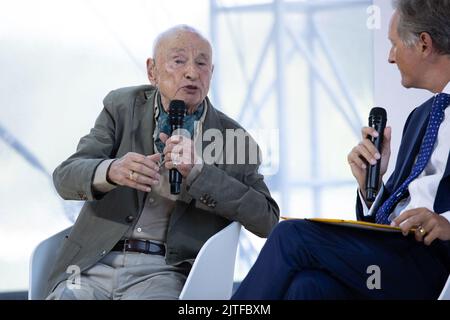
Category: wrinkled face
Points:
column 407, row 58
column 182, row 69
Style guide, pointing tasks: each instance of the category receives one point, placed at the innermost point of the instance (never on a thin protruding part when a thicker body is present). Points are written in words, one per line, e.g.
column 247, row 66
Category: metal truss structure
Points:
column 282, row 43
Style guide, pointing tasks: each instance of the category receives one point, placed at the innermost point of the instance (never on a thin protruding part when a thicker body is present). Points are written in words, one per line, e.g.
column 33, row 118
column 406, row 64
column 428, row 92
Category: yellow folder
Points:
column 353, row 224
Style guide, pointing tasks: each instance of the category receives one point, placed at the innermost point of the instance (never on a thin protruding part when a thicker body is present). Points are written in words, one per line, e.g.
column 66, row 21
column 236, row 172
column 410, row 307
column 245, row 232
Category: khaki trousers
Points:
column 126, row 276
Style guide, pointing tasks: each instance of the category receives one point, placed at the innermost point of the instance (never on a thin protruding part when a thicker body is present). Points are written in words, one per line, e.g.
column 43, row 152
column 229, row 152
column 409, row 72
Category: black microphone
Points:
column 377, row 120
column 177, row 111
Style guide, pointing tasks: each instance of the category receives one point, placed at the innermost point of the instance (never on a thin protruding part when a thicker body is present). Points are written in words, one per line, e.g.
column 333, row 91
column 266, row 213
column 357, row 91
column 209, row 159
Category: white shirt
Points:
column 423, row 189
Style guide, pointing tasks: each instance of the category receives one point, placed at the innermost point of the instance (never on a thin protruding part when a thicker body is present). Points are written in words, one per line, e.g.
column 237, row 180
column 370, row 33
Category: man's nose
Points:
column 191, row 71
column 391, row 58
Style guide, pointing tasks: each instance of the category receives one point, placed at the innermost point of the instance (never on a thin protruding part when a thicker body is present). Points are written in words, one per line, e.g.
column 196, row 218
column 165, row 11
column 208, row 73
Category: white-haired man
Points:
column 133, row 239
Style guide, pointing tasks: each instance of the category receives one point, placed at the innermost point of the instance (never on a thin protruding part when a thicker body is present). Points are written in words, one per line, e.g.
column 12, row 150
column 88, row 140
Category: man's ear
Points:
column 425, row 43
column 151, row 71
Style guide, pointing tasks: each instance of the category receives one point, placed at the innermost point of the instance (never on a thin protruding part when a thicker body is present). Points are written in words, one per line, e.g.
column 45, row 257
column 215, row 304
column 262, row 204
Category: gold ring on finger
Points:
column 422, row 231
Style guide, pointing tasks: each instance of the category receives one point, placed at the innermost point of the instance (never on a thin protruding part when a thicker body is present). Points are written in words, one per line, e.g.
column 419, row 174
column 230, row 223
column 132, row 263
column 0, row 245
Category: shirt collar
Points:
column 158, row 105
column 447, row 89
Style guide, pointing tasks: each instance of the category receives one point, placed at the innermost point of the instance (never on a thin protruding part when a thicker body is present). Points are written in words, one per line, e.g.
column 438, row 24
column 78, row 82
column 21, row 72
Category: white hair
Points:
column 172, row 31
column 430, row 16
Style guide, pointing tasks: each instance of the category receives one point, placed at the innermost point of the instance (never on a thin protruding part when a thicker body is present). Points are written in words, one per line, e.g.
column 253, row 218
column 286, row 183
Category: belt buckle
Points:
column 156, row 249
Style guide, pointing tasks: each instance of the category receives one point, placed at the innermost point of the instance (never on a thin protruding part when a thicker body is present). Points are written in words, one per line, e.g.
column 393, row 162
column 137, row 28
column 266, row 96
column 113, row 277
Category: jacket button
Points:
column 129, row 219
column 82, row 196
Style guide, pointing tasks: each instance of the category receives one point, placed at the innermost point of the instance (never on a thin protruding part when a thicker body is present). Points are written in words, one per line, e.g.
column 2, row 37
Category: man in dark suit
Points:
column 134, row 239
column 307, row 260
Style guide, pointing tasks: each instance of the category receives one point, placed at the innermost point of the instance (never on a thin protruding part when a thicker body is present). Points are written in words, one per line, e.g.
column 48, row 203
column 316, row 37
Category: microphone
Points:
column 177, row 111
column 377, row 120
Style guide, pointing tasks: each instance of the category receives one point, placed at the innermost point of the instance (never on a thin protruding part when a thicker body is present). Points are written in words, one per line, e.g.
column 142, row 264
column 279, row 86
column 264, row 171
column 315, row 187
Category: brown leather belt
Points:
column 142, row 246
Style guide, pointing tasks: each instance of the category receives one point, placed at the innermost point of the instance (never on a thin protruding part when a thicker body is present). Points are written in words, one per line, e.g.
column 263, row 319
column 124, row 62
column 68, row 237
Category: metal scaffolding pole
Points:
column 282, row 178
column 285, row 44
column 283, row 40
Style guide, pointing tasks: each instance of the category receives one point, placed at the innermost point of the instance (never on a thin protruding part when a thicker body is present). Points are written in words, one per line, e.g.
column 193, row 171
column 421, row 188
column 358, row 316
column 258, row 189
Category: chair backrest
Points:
column 445, row 294
column 42, row 261
column 211, row 276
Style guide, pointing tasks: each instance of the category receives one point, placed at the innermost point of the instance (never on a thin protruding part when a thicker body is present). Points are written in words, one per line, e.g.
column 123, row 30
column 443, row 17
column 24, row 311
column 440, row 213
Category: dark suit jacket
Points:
column 235, row 192
column 413, row 134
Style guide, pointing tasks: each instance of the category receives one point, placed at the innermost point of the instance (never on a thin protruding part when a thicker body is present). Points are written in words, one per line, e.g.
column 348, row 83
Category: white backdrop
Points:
column 58, row 59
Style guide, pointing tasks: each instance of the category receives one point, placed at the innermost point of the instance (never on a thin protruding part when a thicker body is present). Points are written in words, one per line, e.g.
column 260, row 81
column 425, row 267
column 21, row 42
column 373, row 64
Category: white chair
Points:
column 445, row 294
column 41, row 262
column 211, row 276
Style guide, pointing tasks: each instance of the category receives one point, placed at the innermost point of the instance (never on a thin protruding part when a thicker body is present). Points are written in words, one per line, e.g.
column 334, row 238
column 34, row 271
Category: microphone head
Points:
column 378, row 112
column 177, row 111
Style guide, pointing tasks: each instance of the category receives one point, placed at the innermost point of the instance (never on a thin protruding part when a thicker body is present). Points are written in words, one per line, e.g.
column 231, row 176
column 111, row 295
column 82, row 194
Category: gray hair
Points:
column 430, row 16
column 172, row 31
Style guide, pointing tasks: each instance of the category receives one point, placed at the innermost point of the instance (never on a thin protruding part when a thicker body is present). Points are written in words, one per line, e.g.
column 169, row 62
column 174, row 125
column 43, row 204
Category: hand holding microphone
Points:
column 179, row 154
column 377, row 121
column 367, row 162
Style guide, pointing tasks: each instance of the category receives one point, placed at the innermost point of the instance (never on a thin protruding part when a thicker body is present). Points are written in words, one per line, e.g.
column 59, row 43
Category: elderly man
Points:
column 305, row 260
column 134, row 239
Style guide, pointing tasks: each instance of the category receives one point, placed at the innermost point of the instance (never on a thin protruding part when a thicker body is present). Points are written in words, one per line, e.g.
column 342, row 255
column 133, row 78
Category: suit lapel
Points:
column 441, row 202
column 142, row 129
column 411, row 143
column 447, row 169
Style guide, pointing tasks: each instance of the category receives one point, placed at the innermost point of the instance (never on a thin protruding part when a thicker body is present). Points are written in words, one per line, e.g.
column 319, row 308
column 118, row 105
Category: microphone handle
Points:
column 175, row 177
column 373, row 171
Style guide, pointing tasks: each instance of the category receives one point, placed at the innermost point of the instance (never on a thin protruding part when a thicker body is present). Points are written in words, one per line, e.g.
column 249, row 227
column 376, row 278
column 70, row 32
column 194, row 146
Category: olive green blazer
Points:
column 126, row 124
